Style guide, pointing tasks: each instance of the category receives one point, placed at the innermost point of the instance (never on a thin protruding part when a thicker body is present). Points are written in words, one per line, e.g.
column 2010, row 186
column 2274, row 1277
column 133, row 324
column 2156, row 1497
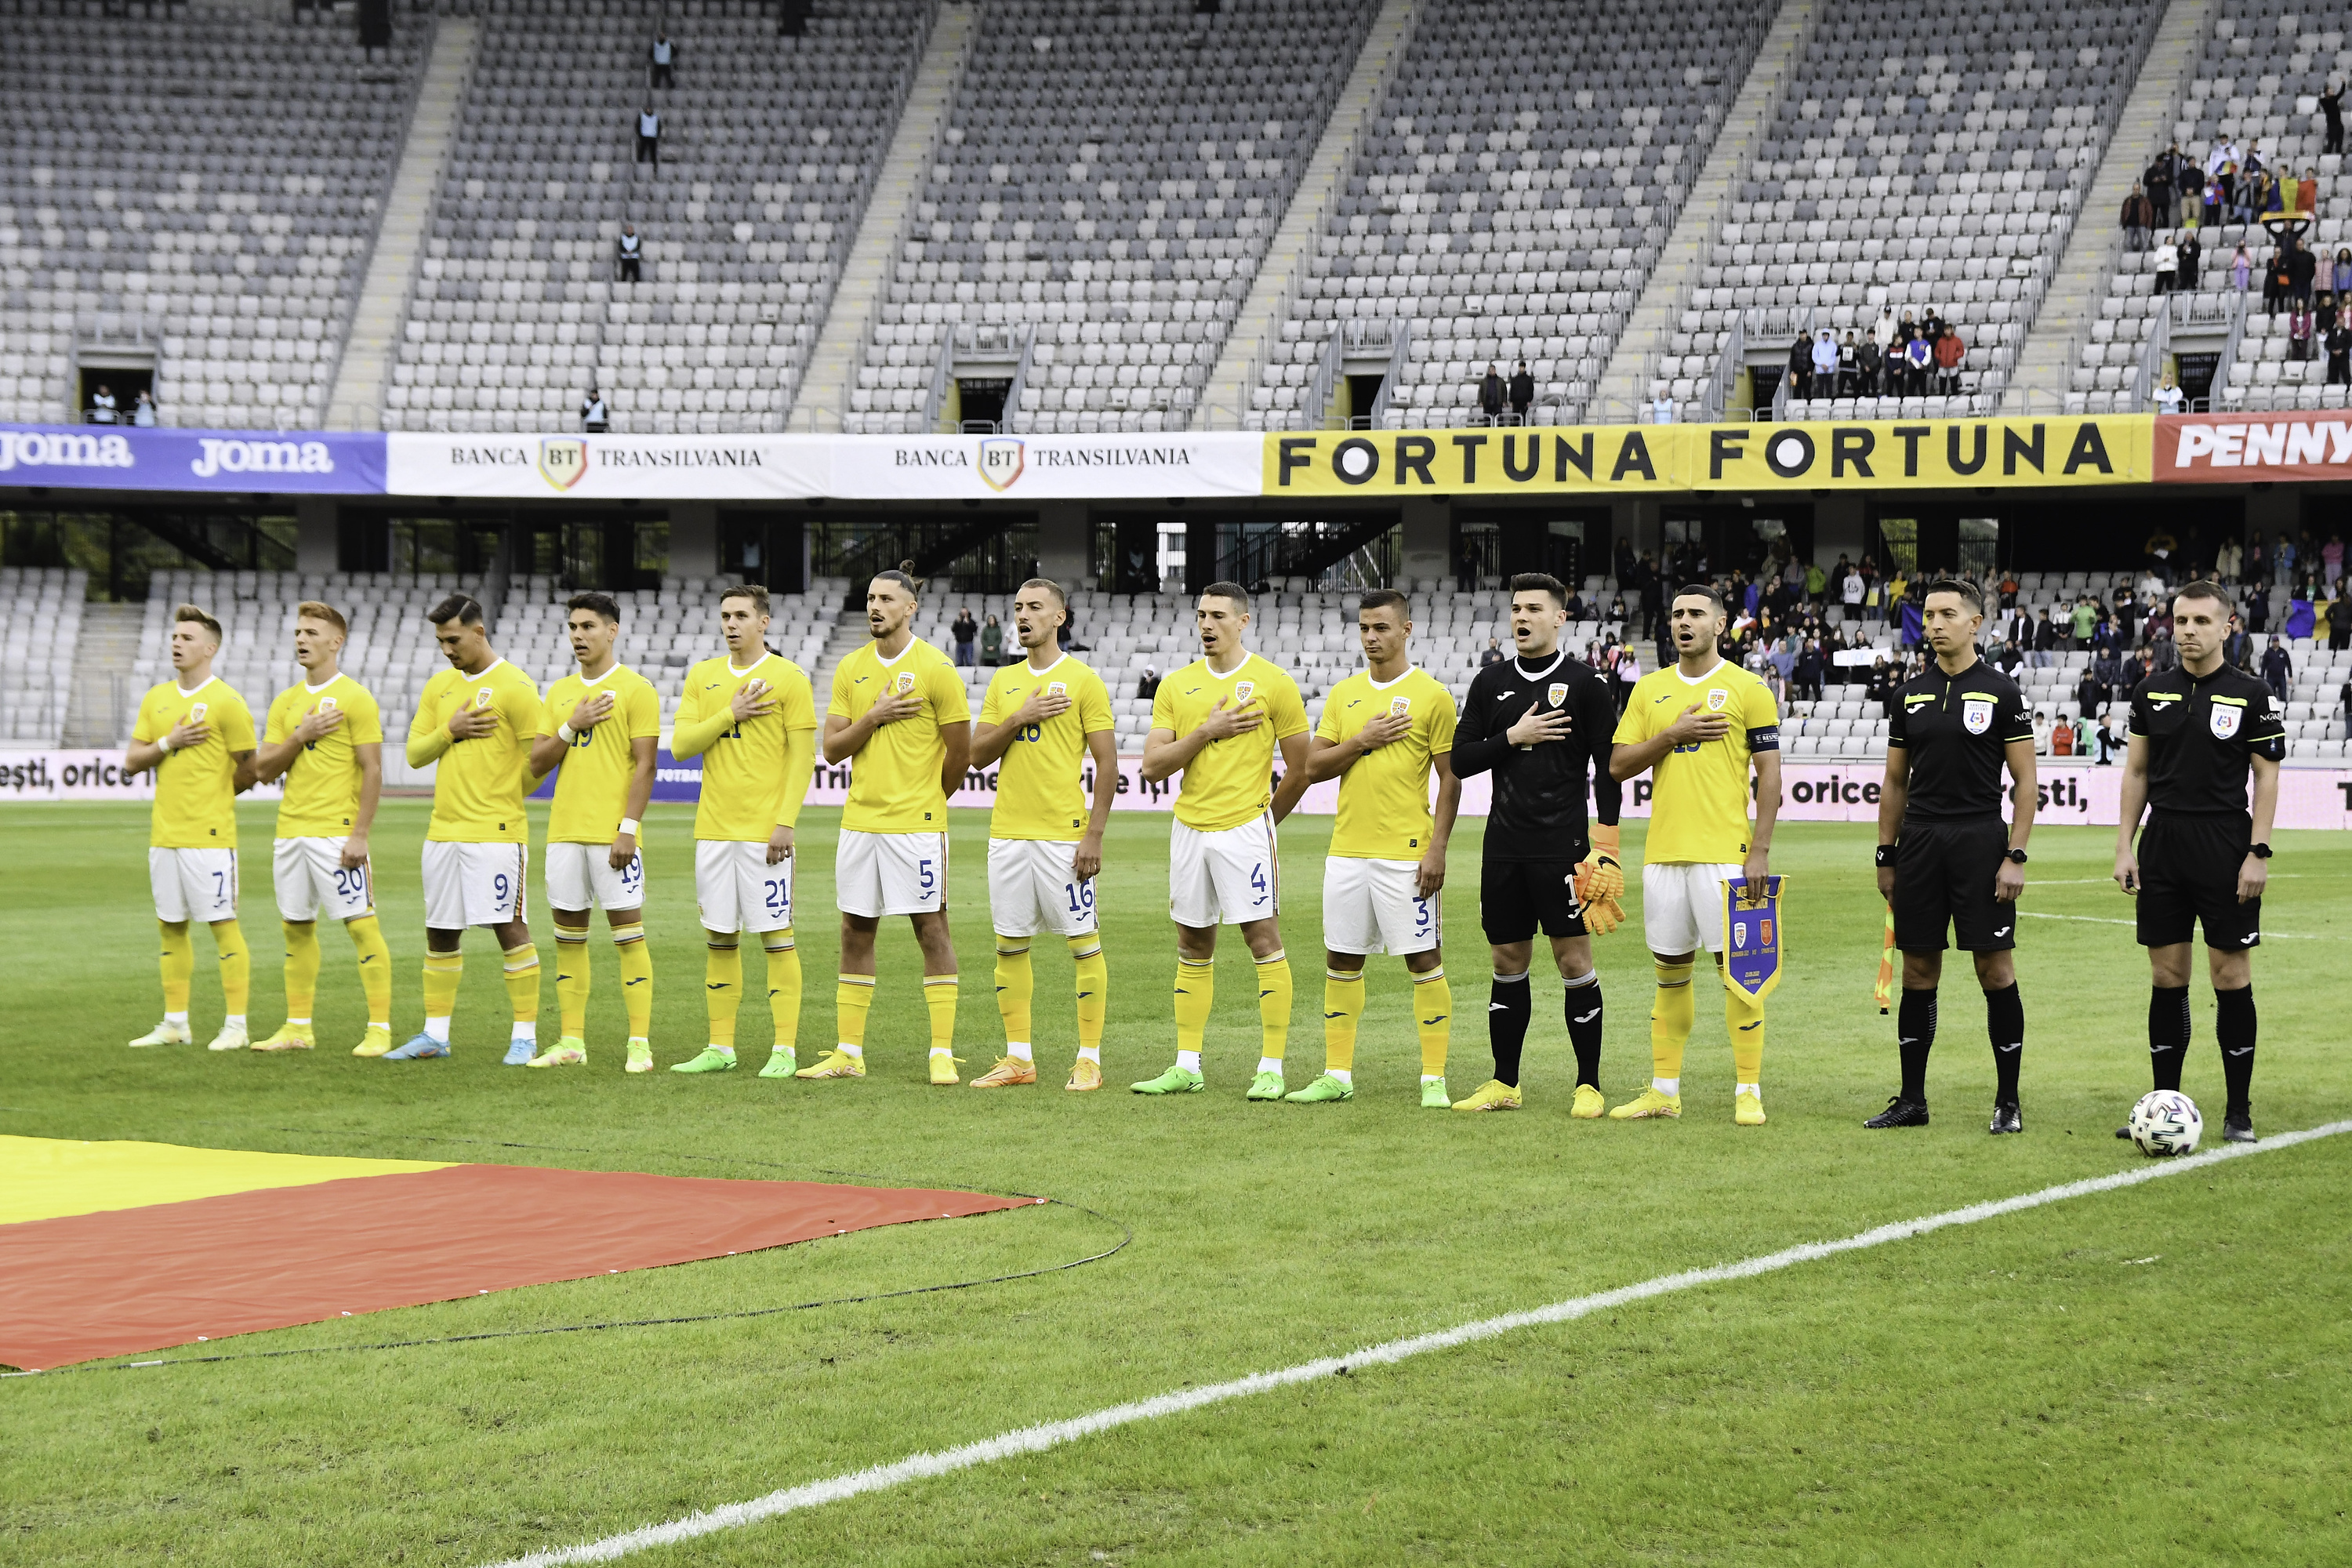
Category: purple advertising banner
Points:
column 131, row 458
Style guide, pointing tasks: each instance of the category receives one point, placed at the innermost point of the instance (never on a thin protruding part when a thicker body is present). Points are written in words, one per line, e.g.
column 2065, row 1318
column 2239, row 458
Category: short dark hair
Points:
column 1382, row 598
column 893, row 574
column 463, row 608
column 1048, row 584
column 2204, row 589
column 754, row 592
column 1706, row 590
column 1970, row 595
column 598, row 604
column 1233, row 591
column 1542, row 582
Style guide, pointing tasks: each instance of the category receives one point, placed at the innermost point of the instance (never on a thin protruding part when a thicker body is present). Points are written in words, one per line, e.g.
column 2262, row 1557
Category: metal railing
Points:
column 1729, row 366
column 1013, row 423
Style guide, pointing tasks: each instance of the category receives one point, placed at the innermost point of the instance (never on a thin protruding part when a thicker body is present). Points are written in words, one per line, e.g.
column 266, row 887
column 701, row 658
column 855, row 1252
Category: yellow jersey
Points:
column 1698, row 798
column 322, row 785
column 1229, row 782
column 894, row 781
column 195, row 788
column 479, row 787
column 746, row 790
column 1384, row 795
column 591, row 782
column 1039, row 790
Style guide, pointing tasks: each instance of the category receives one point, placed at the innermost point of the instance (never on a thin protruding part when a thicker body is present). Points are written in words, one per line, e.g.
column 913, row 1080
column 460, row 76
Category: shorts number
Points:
column 778, row 898
column 1081, row 894
column 633, row 873
column 220, row 885
column 1257, row 877
column 927, row 879
column 350, row 882
column 499, row 886
column 1421, row 915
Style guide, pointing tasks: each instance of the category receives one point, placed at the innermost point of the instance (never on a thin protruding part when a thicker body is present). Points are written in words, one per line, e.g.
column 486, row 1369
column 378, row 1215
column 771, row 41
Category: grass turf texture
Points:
column 2022, row 1388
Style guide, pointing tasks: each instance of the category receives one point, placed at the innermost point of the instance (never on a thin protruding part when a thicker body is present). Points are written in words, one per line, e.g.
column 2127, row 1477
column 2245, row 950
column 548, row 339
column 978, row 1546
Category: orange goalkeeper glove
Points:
column 1600, row 878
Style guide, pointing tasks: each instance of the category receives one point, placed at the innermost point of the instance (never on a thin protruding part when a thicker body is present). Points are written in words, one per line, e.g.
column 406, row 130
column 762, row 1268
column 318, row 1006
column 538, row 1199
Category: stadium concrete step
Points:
column 357, row 401
column 823, row 390
column 1228, row 392
column 2087, row 269
column 848, row 635
column 101, row 708
column 1623, row 390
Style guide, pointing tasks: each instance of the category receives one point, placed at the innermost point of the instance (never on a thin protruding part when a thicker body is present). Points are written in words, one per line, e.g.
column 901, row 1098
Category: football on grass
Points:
column 2165, row 1123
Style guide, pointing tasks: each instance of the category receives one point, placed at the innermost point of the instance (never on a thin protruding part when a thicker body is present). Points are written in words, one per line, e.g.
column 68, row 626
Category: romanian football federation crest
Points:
column 482, row 698
column 1751, row 936
column 1242, row 691
column 1976, row 715
column 1002, row 462
column 1057, row 688
column 326, row 705
column 1717, row 699
column 562, row 460
column 903, row 683
column 1556, row 693
column 196, row 712
column 2226, row 720
column 1400, row 706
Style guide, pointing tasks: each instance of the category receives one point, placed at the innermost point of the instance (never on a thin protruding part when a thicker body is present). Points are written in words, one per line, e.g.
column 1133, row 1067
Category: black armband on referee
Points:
column 1887, row 853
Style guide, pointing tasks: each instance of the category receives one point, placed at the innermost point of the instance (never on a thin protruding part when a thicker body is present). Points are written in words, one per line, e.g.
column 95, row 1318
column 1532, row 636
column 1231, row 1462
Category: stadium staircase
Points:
column 99, row 711
column 824, row 387
column 356, row 402
column 1230, row 383
column 1624, row 386
column 2081, row 280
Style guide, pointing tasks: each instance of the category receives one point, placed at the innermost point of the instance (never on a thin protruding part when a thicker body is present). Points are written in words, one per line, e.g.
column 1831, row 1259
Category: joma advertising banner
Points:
column 129, row 458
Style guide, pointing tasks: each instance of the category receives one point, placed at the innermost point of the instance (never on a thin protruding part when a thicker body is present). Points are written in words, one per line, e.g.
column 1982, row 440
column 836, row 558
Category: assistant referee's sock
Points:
column 1508, row 1009
column 1583, row 1010
column 2233, row 1023
column 1670, row 1013
column 2168, row 1034
column 1914, row 1036
column 1343, row 1009
column 2005, row 1027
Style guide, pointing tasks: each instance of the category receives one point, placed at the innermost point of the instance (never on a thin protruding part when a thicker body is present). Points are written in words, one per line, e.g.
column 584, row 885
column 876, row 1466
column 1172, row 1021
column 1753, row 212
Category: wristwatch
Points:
column 2018, row 856
column 2259, row 851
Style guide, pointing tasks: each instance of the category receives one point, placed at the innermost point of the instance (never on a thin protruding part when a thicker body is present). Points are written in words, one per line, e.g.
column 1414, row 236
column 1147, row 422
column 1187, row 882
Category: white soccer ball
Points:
column 2165, row 1123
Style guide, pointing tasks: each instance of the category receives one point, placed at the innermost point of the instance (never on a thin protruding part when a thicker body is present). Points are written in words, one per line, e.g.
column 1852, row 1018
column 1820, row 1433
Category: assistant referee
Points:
column 1945, row 858
column 2195, row 731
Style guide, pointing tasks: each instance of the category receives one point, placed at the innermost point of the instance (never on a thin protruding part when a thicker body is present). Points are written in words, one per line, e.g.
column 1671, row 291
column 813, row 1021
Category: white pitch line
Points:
column 1054, row 1434
column 2109, row 921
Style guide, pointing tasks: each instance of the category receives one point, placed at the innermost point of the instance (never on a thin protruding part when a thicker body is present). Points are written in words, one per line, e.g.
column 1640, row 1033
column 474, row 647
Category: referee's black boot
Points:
column 1901, row 1112
column 2005, row 1119
column 2239, row 1129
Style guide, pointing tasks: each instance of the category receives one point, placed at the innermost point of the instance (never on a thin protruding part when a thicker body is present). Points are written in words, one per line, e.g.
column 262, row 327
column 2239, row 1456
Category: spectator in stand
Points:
column 2331, row 110
column 1825, row 365
column 2228, row 559
column 2045, row 641
column 2331, row 560
column 2298, row 331
column 649, row 136
column 2167, row 264
column 631, row 254
column 1949, row 351
column 2009, row 661
column 1491, row 654
column 1523, row 392
column 2114, row 735
column 2302, row 269
column 1800, row 368
column 1149, row 687
column 2306, row 204
column 665, row 61
column 592, row 418
column 143, row 413
column 2241, row 270
column 1493, row 393
column 2217, row 201
column 2339, row 353
column 2084, row 621
column 2137, row 218
column 2343, row 280
column 103, row 409
column 992, row 644
column 2322, row 312
column 1850, row 589
column 1918, row 356
column 1629, row 670
column 2090, row 695
column 2191, row 251
column 2041, row 734
column 2167, row 396
column 2278, row 669
column 1575, row 606
column 1883, row 336
column 2276, row 280
column 2158, row 179
column 1880, row 687
column 1849, row 377
column 965, row 631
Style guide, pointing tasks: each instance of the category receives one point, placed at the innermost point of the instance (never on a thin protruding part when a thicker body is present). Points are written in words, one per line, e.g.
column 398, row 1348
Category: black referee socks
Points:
column 1507, row 1010
column 2234, row 1023
column 2005, row 1025
column 1915, row 1035
column 2167, row 1032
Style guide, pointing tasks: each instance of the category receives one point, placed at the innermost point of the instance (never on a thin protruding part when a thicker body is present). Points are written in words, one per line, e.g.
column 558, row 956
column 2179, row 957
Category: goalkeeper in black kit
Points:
column 1541, row 722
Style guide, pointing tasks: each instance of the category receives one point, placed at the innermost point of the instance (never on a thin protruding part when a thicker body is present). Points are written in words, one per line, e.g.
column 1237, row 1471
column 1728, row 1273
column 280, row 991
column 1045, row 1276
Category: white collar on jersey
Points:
column 1058, row 657
column 314, row 690
column 739, row 674
column 1557, row 654
column 1705, row 675
column 617, row 666
column 1229, row 674
column 886, row 663
column 484, row 674
column 208, row 680
column 1384, row 685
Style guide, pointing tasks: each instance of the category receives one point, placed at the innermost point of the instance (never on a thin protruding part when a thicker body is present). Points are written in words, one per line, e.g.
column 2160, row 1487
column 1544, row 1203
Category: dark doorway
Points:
column 124, row 385
column 983, row 404
column 1363, row 389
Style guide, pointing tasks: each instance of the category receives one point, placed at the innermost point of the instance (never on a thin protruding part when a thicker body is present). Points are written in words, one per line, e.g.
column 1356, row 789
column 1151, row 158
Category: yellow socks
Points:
column 442, row 971
column 1016, row 989
column 722, row 991
column 1432, row 1017
column 1670, row 1027
column 636, row 978
column 853, row 998
column 236, row 969
column 178, row 964
column 1093, row 980
column 301, row 970
column 1273, row 1005
column 522, row 983
column 783, row 987
column 940, row 996
column 1343, row 1008
column 572, row 981
column 1743, row 1015
column 376, row 969
column 1196, row 987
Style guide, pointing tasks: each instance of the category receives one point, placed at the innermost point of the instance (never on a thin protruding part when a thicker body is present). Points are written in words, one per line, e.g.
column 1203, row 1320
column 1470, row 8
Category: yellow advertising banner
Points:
column 1926, row 454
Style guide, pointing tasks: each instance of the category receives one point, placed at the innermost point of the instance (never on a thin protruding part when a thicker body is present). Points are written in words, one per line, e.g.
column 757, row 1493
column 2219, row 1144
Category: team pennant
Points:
column 1751, row 936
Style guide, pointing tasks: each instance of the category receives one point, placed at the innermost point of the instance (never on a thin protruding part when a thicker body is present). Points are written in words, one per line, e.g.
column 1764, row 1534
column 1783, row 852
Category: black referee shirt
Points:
column 2200, row 731
column 1538, row 813
column 1956, row 729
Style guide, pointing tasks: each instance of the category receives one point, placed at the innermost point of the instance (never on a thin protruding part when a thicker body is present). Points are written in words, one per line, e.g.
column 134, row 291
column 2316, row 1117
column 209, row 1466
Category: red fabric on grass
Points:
column 138, row 1280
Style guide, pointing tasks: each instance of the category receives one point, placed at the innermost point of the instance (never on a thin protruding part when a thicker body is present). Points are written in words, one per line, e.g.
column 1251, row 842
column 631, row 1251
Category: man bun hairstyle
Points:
column 462, row 608
column 754, row 592
column 201, row 616
column 1382, row 598
column 1706, row 590
column 1542, row 582
column 318, row 610
column 893, row 574
column 1233, row 591
column 1970, row 595
column 1060, row 596
column 596, row 604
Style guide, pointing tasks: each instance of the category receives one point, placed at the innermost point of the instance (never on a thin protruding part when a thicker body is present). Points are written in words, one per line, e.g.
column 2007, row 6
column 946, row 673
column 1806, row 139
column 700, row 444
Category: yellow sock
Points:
column 1670, row 1021
column 1273, row 1004
column 522, row 983
column 571, row 979
column 1196, row 987
column 301, row 969
column 784, row 988
column 236, row 968
column 1744, row 1017
column 722, row 991
column 1433, row 1015
column 1343, row 1008
column 1093, row 980
column 940, row 996
column 1016, row 988
column 376, row 969
column 442, row 971
column 636, row 978
column 853, row 998
column 178, row 964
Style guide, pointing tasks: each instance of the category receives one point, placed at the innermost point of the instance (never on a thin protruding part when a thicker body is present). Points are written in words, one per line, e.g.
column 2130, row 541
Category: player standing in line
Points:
column 197, row 735
column 1218, row 721
column 474, row 718
column 1541, row 722
column 325, row 735
column 750, row 715
column 1385, row 730
column 601, row 725
column 1046, row 720
column 2195, row 731
column 1945, row 858
column 1699, row 726
column 898, row 707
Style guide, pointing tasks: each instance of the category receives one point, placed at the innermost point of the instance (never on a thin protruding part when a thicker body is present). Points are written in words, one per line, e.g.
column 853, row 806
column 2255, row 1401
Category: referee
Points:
column 1540, row 722
column 2195, row 730
column 1945, row 858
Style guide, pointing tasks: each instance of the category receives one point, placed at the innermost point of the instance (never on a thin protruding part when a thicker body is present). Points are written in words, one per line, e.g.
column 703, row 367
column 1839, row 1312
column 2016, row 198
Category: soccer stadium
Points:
column 937, row 655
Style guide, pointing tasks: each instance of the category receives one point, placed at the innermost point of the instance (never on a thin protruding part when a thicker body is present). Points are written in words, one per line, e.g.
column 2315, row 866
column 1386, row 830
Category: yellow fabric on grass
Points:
column 51, row 1178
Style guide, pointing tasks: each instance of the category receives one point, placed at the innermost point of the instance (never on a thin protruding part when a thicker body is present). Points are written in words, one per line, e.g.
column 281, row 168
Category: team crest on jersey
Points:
column 196, row 712
column 1242, row 690
column 1976, row 716
column 2225, row 721
column 326, row 705
column 1057, row 688
column 1717, row 698
column 1556, row 693
column 1400, row 706
column 903, row 683
column 482, row 698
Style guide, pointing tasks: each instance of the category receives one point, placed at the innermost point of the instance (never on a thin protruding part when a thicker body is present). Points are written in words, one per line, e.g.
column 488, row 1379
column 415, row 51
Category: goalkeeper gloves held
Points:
column 1599, row 879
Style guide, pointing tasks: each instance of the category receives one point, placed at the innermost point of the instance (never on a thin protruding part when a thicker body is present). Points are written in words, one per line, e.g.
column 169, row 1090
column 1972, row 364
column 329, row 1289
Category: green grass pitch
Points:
column 2143, row 1374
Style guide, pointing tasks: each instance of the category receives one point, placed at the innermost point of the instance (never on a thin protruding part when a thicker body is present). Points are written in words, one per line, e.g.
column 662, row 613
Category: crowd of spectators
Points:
column 1905, row 356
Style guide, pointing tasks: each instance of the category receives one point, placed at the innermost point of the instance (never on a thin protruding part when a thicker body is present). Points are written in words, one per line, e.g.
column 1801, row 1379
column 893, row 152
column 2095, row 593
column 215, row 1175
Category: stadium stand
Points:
column 40, row 620
column 1100, row 211
column 197, row 187
column 770, row 144
column 1506, row 201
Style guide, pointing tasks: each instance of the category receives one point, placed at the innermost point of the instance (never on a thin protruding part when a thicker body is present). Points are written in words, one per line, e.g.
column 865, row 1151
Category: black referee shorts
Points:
column 1514, row 897
column 2188, row 876
column 1944, row 875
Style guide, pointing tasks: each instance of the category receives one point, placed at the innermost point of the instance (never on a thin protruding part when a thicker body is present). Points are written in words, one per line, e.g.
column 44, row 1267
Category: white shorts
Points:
column 310, row 876
column 1224, row 878
column 1031, row 890
column 738, row 889
column 877, row 874
column 473, row 884
column 578, row 873
column 1681, row 906
column 192, row 884
column 1374, row 906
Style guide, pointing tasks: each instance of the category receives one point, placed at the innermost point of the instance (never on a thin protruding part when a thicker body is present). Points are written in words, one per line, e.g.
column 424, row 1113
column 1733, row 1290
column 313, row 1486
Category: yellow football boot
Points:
column 1648, row 1103
column 1009, row 1070
column 1589, row 1106
column 1085, row 1076
column 289, row 1037
column 1495, row 1095
column 374, row 1043
column 943, row 1068
column 1747, row 1108
column 834, row 1063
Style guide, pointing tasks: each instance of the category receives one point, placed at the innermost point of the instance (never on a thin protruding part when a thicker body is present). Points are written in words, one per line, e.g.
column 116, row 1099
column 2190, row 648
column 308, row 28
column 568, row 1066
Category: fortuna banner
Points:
column 1751, row 936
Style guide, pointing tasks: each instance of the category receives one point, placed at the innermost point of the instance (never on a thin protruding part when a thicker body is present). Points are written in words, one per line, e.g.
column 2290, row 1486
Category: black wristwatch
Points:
column 2018, row 856
column 2259, row 851
column 1886, row 854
